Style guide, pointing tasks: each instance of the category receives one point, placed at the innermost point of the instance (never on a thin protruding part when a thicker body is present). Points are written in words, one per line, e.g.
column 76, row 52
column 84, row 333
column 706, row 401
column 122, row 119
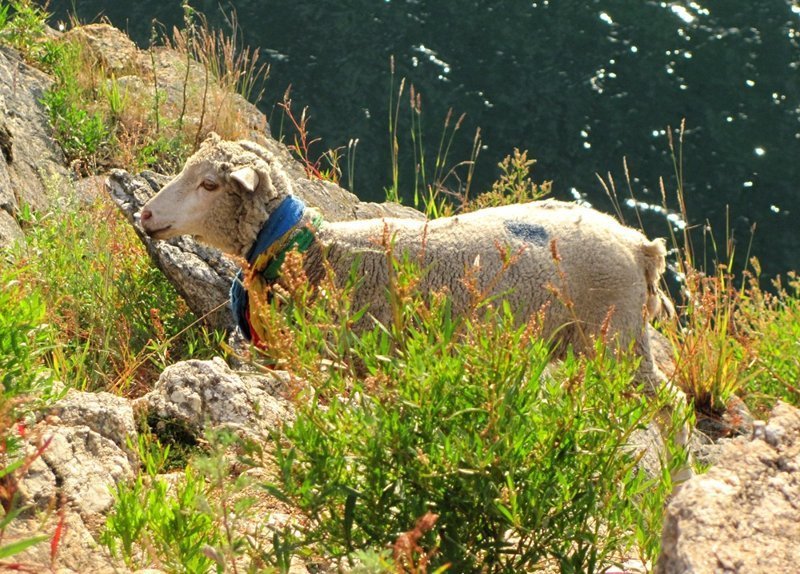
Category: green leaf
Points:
column 20, row 545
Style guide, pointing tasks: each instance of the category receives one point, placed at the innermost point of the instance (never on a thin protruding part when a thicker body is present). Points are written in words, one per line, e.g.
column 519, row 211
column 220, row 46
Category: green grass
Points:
column 115, row 321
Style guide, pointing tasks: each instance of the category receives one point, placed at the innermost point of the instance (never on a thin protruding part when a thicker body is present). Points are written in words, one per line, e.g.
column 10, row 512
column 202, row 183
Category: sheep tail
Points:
column 658, row 303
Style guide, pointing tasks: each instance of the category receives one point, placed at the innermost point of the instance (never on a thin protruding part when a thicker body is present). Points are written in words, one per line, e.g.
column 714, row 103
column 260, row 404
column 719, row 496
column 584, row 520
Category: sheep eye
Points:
column 209, row 184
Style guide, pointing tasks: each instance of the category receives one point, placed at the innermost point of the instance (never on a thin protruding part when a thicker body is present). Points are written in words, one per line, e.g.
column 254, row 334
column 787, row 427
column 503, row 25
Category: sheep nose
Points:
column 145, row 214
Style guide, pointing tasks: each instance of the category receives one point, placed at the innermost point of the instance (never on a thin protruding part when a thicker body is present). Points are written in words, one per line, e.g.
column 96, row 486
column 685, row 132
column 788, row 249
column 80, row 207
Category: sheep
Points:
column 237, row 197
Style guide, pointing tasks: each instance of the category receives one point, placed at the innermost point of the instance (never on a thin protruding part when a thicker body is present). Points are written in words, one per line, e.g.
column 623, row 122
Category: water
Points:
column 580, row 84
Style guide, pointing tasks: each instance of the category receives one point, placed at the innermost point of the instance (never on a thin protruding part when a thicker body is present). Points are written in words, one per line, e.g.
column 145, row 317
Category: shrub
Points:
column 522, row 463
column 200, row 521
column 513, row 186
column 176, row 522
column 22, row 25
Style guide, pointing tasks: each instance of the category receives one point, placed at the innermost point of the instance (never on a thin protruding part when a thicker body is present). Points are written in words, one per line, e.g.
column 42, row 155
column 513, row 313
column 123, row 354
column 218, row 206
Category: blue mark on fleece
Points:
column 529, row 232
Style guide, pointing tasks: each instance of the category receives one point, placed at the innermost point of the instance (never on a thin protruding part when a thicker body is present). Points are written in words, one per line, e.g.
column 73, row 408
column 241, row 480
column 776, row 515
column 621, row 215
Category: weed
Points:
column 112, row 313
column 732, row 337
column 464, row 419
column 514, row 185
column 26, row 382
column 81, row 129
column 227, row 69
column 301, row 145
column 771, row 322
column 235, row 68
column 162, row 154
column 430, row 191
column 27, row 388
column 195, row 522
column 22, row 25
column 713, row 356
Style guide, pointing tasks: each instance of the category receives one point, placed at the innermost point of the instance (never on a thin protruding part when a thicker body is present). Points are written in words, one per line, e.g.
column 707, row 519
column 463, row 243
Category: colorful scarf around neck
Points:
column 279, row 235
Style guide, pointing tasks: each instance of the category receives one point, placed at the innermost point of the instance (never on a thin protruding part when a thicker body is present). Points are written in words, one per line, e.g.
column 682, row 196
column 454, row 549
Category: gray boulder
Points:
column 78, row 467
column 108, row 415
column 29, row 157
column 10, row 231
column 76, row 462
column 109, row 47
column 198, row 394
column 78, row 551
column 743, row 515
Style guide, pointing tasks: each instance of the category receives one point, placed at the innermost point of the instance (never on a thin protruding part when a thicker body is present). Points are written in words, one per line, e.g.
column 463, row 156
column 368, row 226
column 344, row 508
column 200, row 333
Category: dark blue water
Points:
column 580, row 84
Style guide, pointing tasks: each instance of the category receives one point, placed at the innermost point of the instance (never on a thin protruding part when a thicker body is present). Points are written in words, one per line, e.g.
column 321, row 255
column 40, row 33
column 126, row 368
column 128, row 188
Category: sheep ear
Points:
column 247, row 177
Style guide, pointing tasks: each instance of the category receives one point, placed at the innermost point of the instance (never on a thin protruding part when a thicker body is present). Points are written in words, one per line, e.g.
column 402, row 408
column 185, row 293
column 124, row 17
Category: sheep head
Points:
column 223, row 196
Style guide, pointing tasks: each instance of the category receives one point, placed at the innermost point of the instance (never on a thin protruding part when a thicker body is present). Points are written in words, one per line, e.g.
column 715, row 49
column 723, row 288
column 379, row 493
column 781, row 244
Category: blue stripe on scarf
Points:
column 282, row 220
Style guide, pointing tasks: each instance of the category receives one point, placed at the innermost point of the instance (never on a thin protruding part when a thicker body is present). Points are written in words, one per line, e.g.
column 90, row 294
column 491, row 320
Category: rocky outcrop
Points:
column 79, row 467
column 202, row 394
column 83, row 450
column 80, row 450
column 109, row 47
column 77, row 454
column 77, row 552
column 743, row 516
column 29, row 157
column 108, row 415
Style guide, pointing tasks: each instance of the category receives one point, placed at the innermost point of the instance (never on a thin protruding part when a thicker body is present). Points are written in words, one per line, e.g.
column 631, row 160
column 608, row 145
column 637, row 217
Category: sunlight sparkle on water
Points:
column 433, row 57
column 682, row 13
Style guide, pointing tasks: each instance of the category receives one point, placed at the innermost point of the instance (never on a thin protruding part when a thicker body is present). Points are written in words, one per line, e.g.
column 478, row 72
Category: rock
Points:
column 200, row 393
column 78, row 551
column 108, row 415
column 90, row 189
column 10, row 231
column 81, row 469
column 662, row 351
column 735, row 421
column 193, row 95
column 30, row 158
column 648, row 445
column 71, row 479
column 743, row 515
column 107, row 46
